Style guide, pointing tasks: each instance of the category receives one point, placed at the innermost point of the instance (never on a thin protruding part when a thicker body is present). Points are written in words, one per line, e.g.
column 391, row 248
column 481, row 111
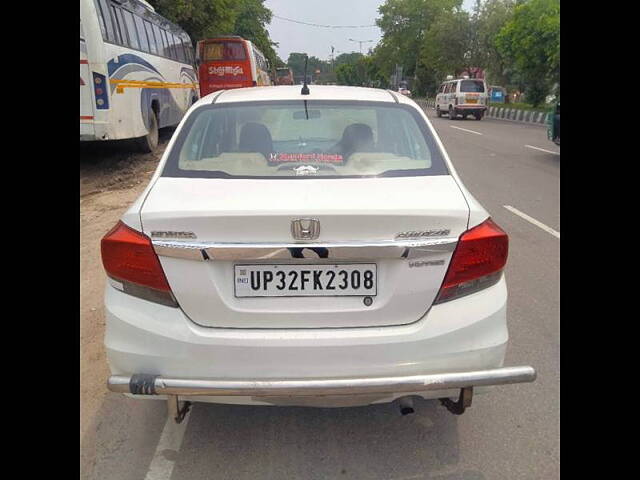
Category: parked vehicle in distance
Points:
column 462, row 96
column 230, row 62
column 553, row 129
column 136, row 72
column 497, row 94
column 312, row 250
column 284, row 76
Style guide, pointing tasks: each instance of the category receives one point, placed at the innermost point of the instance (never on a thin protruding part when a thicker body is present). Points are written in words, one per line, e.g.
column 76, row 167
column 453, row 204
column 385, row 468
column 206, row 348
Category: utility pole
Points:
column 361, row 42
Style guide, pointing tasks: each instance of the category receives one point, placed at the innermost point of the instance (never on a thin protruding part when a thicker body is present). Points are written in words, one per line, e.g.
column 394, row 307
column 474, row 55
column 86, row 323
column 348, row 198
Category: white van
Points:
column 462, row 96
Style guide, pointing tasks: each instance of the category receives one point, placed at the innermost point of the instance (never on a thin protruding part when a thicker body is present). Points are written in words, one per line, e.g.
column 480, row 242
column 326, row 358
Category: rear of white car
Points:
column 306, row 250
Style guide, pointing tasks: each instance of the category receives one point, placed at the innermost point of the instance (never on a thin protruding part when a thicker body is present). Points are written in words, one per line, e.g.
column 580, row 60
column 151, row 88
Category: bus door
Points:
column 224, row 64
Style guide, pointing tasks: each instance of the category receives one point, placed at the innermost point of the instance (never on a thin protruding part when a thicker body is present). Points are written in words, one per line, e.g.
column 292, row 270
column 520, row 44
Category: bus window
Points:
column 167, row 45
column 153, row 47
column 178, row 48
column 119, row 36
column 188, row 50
column 131, row 29
column 159, row 40
column 142, row 36
column 105, row 16
column 121, row 25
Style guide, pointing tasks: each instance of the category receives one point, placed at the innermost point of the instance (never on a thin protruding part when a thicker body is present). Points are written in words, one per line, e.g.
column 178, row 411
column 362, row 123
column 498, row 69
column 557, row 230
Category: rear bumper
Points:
column 158, row 385
column 462, row 342
column 472, row 106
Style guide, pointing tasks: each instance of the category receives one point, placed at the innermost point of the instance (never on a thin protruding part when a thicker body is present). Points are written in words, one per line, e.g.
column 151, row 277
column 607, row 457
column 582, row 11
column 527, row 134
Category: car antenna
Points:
column 305, row 87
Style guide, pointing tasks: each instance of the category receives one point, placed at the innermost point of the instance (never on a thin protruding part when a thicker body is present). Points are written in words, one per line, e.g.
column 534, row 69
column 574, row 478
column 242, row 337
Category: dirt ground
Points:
column 111, row 178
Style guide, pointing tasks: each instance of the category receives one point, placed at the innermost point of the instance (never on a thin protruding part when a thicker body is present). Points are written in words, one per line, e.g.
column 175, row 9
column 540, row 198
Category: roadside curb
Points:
column 503, row 113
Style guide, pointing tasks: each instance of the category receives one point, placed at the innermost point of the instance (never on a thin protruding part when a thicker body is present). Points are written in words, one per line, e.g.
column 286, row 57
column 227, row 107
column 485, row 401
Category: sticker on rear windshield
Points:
column 305, row 157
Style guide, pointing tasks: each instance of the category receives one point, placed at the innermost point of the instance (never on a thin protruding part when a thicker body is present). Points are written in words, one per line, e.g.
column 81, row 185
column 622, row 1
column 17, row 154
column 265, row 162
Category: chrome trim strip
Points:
column 286, row 251
column 334, row 386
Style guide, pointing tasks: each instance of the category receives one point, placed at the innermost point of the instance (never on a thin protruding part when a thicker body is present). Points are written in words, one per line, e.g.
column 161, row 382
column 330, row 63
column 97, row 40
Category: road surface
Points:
column 510, row 433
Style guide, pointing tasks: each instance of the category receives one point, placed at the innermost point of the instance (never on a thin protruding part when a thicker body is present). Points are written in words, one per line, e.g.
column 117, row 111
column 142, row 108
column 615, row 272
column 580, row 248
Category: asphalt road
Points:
column 510, row 433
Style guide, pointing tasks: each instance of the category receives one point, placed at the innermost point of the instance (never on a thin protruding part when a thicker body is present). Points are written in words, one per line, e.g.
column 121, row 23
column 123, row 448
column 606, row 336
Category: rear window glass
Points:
column 284, row 140
column 472, row 86
column 282, row 73
column 224, row 51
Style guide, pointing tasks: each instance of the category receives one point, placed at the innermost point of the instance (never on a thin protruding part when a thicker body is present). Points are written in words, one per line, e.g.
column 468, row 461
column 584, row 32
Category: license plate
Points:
column 472, row 100
column 355, row 279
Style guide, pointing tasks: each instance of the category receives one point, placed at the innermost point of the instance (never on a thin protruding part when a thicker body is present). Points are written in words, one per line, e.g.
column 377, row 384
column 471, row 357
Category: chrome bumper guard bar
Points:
column 143, row 384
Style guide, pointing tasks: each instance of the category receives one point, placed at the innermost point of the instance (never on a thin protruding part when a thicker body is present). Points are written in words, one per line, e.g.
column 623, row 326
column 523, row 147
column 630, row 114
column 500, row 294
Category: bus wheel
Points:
column 149, row 142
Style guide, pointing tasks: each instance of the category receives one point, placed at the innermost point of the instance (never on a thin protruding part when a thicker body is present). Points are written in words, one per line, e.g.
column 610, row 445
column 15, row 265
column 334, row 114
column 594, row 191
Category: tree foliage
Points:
column 516, row 42
column 211, row 18
column 530, row 42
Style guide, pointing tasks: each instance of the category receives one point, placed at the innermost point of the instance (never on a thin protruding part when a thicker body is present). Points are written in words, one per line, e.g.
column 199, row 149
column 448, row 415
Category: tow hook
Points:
column 175, row 409
column 464, row 401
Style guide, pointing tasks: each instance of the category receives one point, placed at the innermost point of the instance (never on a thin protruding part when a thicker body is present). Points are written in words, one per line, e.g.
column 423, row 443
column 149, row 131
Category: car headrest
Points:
column 255, row 137
column 356, row 137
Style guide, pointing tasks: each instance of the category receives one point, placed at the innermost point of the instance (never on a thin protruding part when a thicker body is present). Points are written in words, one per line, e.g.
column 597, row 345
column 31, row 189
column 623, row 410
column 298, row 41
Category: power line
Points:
column 324, row 26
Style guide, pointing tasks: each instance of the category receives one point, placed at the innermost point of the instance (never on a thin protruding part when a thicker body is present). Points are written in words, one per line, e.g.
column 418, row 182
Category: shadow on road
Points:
column 98, row 152
column 293, row 442
column 247, row 442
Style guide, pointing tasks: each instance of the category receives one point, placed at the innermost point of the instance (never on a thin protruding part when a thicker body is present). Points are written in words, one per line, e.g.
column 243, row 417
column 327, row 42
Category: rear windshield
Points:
column 472, row 86
column 224, row 51
column 285, row 140
column 282, row 73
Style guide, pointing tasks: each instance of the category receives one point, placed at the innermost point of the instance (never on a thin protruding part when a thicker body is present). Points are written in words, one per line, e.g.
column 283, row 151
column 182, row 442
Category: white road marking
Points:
column 533, row 220
column 465, row 130
column 161, row 467
column 542, row 149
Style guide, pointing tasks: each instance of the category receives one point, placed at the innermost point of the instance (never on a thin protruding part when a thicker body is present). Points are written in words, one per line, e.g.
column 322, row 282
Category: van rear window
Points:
column 472, row 86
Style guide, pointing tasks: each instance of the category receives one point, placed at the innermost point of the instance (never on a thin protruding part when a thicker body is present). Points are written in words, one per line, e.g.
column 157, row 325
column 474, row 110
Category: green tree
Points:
column 343, row 58
column 212, row 18
column 492, row 17
column 199, row 18
column 347, row 74
column 404, row 24
column 252, row 18
column 296, row 63
column 530, row 42
column 446, row 47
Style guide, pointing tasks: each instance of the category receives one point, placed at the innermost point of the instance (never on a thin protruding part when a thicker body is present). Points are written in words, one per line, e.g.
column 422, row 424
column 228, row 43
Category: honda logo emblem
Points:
column 305, row 228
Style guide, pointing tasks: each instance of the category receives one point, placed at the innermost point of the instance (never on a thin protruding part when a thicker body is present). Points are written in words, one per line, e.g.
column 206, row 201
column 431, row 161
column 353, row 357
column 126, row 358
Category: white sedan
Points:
column 312, row 250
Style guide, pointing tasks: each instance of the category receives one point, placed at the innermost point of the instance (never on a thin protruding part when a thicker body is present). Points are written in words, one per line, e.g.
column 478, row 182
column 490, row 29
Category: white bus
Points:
column 136, row 72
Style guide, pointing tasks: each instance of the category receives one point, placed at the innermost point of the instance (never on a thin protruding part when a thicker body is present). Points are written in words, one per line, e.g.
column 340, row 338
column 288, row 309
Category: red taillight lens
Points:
column 128, row 257
column 477, row 262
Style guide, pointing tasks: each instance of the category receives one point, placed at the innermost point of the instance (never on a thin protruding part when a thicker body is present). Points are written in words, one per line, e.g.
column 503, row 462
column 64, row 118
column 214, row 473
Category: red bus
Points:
column 230, row 62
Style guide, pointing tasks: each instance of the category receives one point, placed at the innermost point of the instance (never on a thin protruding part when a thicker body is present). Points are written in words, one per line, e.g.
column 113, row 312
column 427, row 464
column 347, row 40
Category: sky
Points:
column 316, row 41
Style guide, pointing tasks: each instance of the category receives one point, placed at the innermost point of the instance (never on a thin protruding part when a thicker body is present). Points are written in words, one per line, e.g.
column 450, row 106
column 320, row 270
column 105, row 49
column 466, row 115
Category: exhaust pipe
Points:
column 406, row 405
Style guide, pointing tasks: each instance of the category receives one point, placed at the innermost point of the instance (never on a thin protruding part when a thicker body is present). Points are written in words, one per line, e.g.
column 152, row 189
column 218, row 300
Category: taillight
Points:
column 129, row 259
column 99, row 89
column 477, row 262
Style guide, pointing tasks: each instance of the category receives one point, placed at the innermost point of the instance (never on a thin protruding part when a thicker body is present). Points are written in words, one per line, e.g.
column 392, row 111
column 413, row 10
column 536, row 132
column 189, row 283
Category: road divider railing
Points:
column 502, row 113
